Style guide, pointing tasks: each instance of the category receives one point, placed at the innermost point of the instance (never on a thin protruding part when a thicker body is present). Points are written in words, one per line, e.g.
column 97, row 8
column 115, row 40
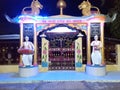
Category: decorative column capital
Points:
column 43, row 35
column 80, row 35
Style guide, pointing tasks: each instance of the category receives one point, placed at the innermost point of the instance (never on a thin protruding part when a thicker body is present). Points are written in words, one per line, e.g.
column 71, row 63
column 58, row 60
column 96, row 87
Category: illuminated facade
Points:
column 57, row 29
column 61, row 37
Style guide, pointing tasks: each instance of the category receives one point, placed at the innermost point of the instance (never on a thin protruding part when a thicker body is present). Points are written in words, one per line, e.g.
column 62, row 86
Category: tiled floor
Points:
column 59, row 76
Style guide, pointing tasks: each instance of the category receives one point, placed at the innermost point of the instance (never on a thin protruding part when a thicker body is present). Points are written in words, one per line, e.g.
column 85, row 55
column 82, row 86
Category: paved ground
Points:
column 60, row 80
column 62, row 85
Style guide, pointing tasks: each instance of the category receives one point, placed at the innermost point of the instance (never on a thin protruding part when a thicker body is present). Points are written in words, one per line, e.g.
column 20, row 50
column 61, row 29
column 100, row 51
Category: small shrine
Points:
column 61, row 35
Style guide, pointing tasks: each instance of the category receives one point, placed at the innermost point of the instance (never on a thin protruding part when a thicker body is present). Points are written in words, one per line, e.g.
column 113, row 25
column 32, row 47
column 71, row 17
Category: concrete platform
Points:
column 59, row 76
column 28, row 71
column 95, row 70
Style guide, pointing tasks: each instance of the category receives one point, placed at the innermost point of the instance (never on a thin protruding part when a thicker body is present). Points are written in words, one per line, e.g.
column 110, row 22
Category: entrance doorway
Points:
column 62, row 50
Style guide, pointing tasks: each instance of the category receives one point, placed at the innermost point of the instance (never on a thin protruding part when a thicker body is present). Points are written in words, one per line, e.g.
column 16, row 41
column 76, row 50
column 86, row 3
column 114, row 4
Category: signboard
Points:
column 95, row 29
column 28, row 30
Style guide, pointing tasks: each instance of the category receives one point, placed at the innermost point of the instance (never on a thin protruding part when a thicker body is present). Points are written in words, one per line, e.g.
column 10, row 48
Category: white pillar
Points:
column 78, row 53
column 45, row 53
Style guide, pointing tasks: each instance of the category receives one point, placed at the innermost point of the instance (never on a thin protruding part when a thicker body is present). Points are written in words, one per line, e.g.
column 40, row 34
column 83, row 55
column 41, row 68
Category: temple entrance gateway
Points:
column 61, row 48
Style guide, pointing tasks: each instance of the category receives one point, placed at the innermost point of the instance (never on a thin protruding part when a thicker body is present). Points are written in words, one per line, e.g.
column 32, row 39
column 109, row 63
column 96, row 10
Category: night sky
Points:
column 13, row 8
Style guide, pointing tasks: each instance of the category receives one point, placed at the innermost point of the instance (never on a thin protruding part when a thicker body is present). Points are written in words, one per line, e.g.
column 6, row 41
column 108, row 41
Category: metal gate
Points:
column 61, row 52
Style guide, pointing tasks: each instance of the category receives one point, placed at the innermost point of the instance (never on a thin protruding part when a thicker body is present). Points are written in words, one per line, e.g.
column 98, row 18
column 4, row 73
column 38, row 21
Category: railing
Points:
column 9, row 55
column 110, row 51
column 8, row 52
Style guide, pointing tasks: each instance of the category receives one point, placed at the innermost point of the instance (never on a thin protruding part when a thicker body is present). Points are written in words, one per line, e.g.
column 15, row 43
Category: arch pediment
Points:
column 61, row 28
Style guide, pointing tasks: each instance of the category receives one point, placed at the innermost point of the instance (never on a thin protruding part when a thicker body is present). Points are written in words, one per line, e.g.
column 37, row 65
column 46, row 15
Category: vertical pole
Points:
column 80, row 38
column 88, row 46
column 78, row 53
column 35, row 45
column 102, row 41
column 42, row 40
column 44, row 53
column 61, row 11
column 21, row 42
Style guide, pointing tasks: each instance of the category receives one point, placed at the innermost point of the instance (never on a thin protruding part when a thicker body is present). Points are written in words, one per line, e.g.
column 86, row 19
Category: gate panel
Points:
column 62, row 59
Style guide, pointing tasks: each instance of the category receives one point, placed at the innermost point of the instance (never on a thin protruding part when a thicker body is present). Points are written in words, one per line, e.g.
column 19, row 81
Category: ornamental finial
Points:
column 61, row 4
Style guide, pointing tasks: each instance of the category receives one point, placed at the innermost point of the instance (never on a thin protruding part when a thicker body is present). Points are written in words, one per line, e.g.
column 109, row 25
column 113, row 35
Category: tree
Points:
column 115, row 25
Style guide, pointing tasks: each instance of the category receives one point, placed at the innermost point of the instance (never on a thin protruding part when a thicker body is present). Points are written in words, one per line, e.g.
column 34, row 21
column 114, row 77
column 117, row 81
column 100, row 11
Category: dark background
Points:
column 13, row 8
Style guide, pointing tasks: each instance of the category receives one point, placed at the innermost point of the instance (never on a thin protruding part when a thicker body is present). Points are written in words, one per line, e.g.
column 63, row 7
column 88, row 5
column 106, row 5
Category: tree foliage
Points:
column 115, row 25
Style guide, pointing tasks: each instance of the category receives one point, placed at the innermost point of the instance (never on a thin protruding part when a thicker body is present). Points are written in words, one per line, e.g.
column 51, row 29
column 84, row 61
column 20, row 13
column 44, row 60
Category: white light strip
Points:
column 61, row 30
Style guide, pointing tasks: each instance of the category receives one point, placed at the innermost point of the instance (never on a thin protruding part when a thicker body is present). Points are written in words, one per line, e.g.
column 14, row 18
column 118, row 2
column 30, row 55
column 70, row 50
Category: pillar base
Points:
column 96, row 70
column 28, row 71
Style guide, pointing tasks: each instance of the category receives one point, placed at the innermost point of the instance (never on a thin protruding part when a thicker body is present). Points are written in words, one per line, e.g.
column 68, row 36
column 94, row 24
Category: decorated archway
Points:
column 62, row 40
column 31, row 24
column 91, row 25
